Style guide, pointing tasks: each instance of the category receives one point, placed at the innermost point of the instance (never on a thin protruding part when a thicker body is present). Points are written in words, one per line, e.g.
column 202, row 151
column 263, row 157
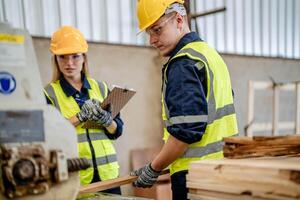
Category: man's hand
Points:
column 146, row 176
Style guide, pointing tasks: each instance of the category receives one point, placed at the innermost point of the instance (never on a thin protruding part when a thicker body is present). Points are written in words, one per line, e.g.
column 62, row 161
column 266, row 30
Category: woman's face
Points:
column 70, row 65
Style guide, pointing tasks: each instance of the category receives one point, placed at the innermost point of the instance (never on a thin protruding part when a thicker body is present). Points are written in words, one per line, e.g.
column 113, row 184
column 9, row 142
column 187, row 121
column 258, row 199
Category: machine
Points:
column 38, row 147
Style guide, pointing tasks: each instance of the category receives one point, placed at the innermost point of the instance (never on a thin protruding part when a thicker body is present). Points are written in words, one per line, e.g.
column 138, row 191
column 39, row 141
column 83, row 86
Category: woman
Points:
column 78, row 97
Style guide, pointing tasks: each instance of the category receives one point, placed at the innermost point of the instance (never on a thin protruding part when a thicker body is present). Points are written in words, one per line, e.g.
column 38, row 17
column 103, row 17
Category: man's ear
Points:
column 179, row 20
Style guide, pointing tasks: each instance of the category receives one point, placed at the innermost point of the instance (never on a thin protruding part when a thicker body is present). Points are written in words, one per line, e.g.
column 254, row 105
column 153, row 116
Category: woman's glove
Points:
column 96, row 114
column 85, row 112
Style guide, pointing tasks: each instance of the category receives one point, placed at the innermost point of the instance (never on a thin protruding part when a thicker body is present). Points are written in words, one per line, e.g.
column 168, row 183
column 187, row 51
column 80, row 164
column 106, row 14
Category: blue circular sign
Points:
column 7, row 83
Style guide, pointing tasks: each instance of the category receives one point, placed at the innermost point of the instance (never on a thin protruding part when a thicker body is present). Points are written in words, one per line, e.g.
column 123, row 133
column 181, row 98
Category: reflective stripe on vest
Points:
column 93, row 136
column 52, row 97
column 213, row 114
column 104, row 160
column 211, row 145
column 196, row 152
column 105, row 154
column 186, row 119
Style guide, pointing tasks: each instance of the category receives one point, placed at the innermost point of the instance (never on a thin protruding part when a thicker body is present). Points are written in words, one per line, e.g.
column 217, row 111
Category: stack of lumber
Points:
column 253, row 179
column 245, row 147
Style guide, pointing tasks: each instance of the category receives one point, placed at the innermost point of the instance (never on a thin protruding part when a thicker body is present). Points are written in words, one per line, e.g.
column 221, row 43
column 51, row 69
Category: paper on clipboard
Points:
column 118, row 98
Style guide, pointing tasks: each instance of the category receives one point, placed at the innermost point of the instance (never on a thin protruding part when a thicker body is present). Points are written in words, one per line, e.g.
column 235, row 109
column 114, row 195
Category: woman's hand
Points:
column 93, row 111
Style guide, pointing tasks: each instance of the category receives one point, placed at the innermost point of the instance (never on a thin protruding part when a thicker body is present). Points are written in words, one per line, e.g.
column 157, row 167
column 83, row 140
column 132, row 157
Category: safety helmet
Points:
column 68, row 40
column 149, row 11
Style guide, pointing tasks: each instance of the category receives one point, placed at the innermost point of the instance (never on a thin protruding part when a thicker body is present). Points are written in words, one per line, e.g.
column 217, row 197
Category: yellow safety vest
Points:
column 106, row 158
column 221, row 118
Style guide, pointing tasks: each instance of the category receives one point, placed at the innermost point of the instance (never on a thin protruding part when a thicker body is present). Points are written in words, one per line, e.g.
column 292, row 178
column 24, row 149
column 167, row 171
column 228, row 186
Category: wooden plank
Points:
column 290, row 139
column 261, row 151
column 249, row 131
column 103, row 185
column 270, row 178
column 245, row 187
column 243, row 147
column 249, row 173
column 297, row 131
column 287, row 86
column 205, row 195
column 263, row 126
column 287, row 177
column 262, row 85
column 275, row 110
column 288, row 163
column 211, row 195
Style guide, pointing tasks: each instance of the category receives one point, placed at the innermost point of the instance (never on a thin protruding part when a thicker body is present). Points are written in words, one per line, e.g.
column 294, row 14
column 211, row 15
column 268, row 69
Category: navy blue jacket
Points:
column 186, row 93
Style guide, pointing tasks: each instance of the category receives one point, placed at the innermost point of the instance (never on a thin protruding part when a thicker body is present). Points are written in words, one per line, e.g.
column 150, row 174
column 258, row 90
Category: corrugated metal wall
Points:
column 248, row 27
column 256, row 27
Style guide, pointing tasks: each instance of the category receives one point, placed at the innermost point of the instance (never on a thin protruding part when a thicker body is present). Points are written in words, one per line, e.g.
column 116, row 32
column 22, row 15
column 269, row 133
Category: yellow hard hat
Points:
column 68, row 40
column 149, row 11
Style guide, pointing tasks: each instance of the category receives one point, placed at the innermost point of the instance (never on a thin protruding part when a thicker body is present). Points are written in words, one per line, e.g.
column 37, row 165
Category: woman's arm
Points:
column 74, row 120
column 111, row 129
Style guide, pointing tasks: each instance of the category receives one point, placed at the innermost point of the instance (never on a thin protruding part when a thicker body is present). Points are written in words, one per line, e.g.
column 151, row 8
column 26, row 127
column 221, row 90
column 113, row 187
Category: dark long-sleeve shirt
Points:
column 186, row 91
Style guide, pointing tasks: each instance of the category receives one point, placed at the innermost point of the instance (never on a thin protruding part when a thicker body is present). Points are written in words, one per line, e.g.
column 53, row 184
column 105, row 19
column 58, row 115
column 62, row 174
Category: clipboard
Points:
column 118, row 98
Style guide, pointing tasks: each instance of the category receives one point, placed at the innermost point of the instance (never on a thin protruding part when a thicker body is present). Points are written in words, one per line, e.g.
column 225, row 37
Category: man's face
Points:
column 164, row 34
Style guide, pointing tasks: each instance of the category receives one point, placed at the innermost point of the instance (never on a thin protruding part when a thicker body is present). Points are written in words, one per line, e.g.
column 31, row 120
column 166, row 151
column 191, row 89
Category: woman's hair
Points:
column 57, row 74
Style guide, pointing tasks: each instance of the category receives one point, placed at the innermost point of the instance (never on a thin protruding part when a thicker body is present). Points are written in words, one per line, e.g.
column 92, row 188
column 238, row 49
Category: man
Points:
column 197, row 106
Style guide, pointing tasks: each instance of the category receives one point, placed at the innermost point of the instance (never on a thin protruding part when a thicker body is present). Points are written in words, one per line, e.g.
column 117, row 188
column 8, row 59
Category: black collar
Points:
column 187, row 38
column 69, row 90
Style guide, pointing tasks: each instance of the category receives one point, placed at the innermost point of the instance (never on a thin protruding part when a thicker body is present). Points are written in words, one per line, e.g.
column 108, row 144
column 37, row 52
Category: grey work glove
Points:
column 146, row 176
column 97, row 114
column 85, row 111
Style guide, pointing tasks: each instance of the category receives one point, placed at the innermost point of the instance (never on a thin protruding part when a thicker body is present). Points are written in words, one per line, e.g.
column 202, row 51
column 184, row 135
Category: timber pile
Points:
column 254, row 179
column 245, row 147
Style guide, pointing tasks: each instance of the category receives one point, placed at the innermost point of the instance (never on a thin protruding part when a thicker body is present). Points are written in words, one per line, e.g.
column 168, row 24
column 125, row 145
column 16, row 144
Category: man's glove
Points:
column 97, row 114
column 146, row 176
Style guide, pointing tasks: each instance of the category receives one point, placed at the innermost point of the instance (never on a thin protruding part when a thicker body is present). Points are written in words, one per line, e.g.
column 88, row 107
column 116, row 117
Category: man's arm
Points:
column 172, row 150
column 148, row 174
column 185, row 99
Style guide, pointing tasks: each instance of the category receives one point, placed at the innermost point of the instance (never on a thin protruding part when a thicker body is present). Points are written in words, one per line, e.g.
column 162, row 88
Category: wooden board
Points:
column 289, row 163
column 245, row 147
column 117, row 98
column 195, row 194
column 240, row 187
column 270, row 178
column 103, row 185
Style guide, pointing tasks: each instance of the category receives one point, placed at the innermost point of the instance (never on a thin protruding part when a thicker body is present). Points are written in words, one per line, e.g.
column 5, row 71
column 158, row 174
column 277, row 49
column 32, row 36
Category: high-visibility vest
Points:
column 105, row 154
column 221, row 118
